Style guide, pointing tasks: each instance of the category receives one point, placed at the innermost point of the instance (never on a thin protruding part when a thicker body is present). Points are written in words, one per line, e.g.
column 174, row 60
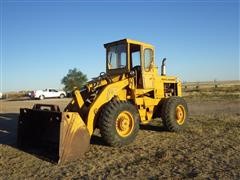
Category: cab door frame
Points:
column 147, row 66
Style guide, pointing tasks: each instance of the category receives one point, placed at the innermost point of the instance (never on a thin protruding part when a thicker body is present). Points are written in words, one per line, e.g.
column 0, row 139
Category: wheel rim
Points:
column 124, row 124
column 180, row 114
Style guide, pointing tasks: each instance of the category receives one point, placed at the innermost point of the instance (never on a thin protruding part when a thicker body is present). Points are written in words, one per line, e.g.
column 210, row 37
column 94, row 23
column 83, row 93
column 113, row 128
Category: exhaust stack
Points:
column 163, row 69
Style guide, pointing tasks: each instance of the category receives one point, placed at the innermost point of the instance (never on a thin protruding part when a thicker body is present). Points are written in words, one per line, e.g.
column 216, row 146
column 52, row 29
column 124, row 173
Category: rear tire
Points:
column 119, row 123
column 174, row 114
column 41, row 97
column 61, row 96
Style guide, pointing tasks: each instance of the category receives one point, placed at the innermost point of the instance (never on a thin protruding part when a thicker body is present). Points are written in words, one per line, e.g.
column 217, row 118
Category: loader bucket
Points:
column 58, row 136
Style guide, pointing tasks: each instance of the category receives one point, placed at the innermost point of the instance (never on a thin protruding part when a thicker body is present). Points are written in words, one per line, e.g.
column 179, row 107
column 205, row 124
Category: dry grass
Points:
column 208, row 149
column 229, row 91
column 14, row 95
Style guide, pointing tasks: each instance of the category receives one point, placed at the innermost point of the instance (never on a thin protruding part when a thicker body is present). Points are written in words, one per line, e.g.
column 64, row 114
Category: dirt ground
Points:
column 208, row 148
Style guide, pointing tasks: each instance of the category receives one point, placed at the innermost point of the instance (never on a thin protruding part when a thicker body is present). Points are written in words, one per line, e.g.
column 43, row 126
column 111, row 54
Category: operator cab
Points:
column 128, row 55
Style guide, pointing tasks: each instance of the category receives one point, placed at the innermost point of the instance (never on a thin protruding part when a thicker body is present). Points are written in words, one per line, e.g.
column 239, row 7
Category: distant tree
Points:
column 74, row 78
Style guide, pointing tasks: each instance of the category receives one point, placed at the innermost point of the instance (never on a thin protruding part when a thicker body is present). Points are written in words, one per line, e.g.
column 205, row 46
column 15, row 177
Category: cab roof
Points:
column 129, row 41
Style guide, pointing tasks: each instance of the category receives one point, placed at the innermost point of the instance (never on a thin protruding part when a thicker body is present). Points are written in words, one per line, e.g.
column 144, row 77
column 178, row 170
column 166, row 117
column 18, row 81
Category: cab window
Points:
column 148, row 58
column 135, row 55
column 117, row 57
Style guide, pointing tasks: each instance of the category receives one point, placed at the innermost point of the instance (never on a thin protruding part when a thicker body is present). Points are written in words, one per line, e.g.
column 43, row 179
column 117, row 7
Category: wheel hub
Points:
column 180, row 114
column 124, row 124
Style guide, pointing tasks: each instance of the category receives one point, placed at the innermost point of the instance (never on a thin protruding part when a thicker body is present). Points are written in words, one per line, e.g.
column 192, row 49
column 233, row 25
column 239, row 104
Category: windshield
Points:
column 117, row 57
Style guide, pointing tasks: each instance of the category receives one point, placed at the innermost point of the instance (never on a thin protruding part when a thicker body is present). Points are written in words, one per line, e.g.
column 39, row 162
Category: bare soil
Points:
column 208, row 148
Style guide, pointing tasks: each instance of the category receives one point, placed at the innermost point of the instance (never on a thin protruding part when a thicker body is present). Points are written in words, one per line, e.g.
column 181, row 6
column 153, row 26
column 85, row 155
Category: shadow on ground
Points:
column 97, row 140
column 150, row 127
column 8, row 136
column 8, row 128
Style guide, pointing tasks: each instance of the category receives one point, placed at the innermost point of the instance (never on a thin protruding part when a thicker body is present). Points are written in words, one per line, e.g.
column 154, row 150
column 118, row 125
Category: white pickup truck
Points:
column 47, row 93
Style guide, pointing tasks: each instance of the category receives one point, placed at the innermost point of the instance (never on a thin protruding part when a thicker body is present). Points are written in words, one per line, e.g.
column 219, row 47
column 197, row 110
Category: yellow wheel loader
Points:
column 130, row 92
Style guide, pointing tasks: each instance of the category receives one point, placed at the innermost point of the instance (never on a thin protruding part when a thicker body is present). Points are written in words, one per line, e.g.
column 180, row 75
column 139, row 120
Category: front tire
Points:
column 174, row 114
column 119, row 123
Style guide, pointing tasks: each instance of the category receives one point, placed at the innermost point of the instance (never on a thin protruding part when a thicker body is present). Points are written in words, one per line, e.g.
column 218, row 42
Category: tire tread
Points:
column 107, row 123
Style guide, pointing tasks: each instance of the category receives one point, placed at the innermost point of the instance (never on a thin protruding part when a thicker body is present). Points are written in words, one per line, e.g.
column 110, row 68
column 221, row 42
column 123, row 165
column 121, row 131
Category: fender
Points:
column 105, row 96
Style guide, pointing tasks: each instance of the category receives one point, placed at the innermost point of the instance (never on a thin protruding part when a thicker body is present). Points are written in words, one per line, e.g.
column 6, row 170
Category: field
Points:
column 208, row 148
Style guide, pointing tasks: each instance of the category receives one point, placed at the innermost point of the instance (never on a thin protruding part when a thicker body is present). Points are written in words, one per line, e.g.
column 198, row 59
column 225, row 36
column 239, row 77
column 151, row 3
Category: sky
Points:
column 41, row 40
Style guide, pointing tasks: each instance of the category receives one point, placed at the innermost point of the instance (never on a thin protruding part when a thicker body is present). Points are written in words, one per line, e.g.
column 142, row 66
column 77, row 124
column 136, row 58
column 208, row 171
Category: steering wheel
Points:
column 136, row 68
